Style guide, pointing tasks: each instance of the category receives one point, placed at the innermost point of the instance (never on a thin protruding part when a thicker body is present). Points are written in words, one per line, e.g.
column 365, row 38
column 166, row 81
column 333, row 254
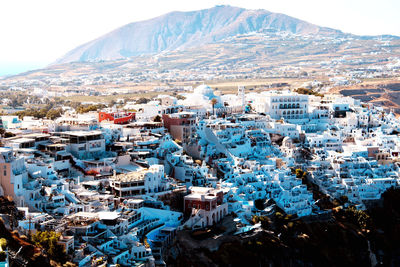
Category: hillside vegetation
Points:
column 348, row 238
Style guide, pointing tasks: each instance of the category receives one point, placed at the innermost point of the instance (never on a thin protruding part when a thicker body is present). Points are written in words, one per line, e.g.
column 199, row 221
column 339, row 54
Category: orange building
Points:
column 117, row 117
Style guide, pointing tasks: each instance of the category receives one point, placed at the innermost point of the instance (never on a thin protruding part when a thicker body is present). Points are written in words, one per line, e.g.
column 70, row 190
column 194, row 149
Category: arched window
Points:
column 285, row 106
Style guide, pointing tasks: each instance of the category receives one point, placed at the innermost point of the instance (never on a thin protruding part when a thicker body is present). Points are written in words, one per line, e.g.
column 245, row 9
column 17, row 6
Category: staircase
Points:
column 76, row 166
column 213, row 139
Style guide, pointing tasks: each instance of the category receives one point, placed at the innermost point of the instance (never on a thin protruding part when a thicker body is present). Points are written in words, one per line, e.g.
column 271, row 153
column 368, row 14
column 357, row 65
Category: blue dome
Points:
column 205, row 90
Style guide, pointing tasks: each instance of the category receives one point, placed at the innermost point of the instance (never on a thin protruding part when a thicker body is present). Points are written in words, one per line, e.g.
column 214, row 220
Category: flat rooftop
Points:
column 56, row 145
column 5, row 149
column 36, row 135
column 82, row 133
column 108, row 215
column 200, row 190
column 22, row 140
column 135, row 200
column 199, row 197
column 131, row 176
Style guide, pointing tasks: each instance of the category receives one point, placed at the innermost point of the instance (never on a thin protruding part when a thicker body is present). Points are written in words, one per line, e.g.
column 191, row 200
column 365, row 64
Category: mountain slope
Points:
column 180, row 30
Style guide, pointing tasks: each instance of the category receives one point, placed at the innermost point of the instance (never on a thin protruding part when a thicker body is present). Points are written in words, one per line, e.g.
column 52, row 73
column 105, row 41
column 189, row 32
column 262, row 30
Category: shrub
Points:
column 48, row 240
column 301, row 174
column 54, row 113
column 305, row 91
column 142, row 100
column 3, row 243
column 259, row 203
column 88, row 108
column 8, row 134
column 358, row 217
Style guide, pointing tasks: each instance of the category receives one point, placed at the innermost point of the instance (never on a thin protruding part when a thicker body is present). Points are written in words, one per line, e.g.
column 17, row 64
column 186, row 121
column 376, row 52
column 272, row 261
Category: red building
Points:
column 180, row 125
column 372, row 151
column 204, row 206
column 117, row 117
column 203, row 198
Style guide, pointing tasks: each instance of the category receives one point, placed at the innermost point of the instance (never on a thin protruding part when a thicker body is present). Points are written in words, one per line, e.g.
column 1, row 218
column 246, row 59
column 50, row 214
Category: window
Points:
column 5, row 173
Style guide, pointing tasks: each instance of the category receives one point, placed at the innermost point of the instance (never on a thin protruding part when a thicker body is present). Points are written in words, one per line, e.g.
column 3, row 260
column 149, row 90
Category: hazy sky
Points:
column 35, row 33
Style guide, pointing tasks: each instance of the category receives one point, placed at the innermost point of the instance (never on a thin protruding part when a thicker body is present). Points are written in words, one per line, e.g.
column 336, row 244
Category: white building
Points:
column 282, row 104
column 205, row 206
column 13, row 175
column 286, row 129
column 84, row 144
column 150, row 181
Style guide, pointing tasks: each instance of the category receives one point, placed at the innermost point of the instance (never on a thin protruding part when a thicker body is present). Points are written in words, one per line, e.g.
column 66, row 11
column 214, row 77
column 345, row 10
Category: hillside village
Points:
column 121, row 182
column 365, row 68
column 330, row 60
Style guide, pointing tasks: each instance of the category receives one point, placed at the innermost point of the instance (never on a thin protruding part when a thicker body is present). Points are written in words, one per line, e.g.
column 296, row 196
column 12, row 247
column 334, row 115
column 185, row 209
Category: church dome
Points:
column 204, row 90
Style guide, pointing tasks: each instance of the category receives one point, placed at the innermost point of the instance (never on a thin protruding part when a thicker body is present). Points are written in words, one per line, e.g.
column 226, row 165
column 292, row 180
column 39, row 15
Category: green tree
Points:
column 142, row 100
column 87, row 108
column 180, row 97
column 305, row 91
column 48, row 240
column 111, row 103
column 259, row 203
column 54, row 113
column 214, row 101
column 358, row 217
column 3, row 243
column 343, row 199
column 157, row 118
column 301, row 174
column 8, row 134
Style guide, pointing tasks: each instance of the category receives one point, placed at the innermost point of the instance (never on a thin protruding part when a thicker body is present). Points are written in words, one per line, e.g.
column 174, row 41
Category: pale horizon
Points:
column 36, row 33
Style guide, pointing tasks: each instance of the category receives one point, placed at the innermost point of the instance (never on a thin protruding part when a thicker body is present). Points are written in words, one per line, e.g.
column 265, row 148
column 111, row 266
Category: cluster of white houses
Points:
column 105, row 183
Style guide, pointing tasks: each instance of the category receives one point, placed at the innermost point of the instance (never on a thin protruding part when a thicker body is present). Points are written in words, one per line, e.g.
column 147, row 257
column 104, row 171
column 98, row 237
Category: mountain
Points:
column 182, row 30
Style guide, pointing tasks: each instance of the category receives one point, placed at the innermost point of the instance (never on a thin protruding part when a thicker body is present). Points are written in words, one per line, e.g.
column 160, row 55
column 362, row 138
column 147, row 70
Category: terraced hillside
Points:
column 382, row 93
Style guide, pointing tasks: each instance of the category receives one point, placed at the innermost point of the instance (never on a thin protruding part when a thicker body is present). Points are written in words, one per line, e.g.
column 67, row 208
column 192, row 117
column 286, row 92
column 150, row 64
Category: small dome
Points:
column 204, row 90
column 287, row 141
column 202, row 96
